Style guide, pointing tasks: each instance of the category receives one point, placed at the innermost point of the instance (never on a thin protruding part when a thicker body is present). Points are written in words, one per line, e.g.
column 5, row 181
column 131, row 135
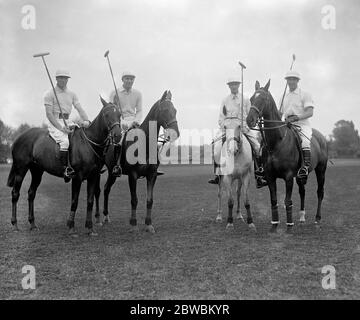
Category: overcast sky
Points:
column 188, row 46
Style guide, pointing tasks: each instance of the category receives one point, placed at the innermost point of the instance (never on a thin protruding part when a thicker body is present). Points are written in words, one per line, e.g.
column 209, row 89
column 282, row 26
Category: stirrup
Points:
column 303, row 173
column 260, row 182
column 260, row 171
column 69, row 173
column 117, row 171
column 216, row 180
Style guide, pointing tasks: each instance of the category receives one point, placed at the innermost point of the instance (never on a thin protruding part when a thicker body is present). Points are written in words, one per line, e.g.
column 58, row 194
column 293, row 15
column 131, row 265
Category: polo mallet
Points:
column 106, row 55
column 282, row 99
column 242, row 93
column 117, row 171
column 47, row 70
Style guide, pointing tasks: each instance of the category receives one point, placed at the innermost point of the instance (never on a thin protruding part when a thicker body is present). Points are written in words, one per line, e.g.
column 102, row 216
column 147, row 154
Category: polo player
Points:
column 57, row 130
column 298, row 109
column 130, row 106
column 230, row 114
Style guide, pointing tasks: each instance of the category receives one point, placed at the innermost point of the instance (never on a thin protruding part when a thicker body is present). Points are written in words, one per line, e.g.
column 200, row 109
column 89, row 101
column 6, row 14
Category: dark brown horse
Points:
column 36, row 151
column 139, row 156
column 281, row 155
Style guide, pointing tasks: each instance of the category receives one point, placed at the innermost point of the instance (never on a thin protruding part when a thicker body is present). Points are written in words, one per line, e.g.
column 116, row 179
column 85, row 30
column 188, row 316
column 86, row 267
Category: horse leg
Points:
column 36, row 175
column 302, row 200
column 91, row 187
column 246, row 185
column 134, row 201
column 320, row 177
column 97, row 198
column 15, row 194
column 107, row 188
column 238, row 193
column 219, row 209
column 75, row 191
column 229, row 192
column 149, row 202
column 274, row 206
column 288, row 204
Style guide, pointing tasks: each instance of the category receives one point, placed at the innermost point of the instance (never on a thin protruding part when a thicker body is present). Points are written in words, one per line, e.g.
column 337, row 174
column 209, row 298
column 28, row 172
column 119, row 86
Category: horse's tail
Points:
column 11, row 177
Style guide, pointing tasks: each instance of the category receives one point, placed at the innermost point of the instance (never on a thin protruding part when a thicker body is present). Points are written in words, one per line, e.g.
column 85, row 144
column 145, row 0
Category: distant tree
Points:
column 345, row 140
column 5, row 141
column 5, row 133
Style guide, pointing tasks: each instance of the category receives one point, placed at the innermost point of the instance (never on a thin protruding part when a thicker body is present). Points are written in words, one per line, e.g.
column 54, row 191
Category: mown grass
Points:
column 190, row 256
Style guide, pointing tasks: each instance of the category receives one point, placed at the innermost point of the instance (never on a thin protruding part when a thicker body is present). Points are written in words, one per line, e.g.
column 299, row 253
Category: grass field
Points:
column 190, row 256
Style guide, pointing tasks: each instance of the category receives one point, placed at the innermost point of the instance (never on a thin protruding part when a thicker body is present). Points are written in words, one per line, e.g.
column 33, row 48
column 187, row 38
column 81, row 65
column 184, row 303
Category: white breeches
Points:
column 60, row 137
column 305, row 135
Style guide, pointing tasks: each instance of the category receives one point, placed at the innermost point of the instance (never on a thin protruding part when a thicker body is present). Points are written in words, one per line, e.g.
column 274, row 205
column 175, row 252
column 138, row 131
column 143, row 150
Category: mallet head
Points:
column 41, row 54
column 242, row 65
column 106, row 53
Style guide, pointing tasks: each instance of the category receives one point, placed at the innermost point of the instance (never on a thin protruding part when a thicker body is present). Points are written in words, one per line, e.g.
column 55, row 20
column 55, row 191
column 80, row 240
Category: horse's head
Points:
column 167, row 116
column 111, row 120
column 234, row 140
column 262, row 104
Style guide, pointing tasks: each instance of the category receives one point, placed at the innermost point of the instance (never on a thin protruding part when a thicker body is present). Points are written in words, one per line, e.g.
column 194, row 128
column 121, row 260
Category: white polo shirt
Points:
column 296, row 102
column 232, row 104
column 67, row 99
column 130, row 103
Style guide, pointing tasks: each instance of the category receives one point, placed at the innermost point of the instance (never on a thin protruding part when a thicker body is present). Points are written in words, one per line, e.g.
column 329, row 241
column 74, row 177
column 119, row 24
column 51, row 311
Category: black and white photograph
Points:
column 181, row 155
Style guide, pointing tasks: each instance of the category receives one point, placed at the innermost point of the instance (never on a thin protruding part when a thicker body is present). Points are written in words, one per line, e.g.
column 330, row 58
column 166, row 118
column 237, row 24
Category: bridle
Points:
column 109, row 140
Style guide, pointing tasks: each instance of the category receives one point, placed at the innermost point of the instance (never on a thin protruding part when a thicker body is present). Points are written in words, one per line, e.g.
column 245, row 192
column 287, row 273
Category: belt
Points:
column 66, row 116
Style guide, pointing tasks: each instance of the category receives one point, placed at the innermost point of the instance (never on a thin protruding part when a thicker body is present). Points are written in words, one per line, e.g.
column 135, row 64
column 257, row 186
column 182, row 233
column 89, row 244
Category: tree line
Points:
column 344, row 142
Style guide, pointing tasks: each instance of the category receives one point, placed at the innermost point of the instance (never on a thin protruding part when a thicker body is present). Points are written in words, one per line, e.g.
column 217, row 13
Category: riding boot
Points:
column 304, row 170
column 216, row 179
column 69, row 172
column 259, row 173
column 117, row 171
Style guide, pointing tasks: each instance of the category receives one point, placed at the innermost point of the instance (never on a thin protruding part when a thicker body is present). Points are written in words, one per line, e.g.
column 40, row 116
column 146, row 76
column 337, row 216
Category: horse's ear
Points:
column 257, row 85
column 224, row 111
column 164, row 96
column 169, row 95
column 104, row 103
column 267, row 86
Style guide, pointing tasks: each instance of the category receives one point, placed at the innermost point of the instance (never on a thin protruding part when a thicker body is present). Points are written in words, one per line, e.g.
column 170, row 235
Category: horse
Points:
column 162, row 114
column 236, row 161
column 282, row 155
column 36, row 151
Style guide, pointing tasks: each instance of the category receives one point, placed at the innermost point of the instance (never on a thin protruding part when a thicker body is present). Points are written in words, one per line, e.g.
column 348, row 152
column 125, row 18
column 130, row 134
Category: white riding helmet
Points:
column 233, row 80
column 127, row 74
column 63, row 73
column 292, row 74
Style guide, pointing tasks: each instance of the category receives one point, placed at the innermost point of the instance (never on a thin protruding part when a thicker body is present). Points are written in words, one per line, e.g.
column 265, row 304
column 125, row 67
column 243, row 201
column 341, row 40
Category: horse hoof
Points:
column 150, row 229
column 15, row 228
column 218, row 219
column 91, row 233
column 230, row 226
column 97, row 221
column 34, row 228
column 290, row 230
column 252, row 227
column 317, row 226
column 273, row 229
column 72, row 233
column 106, row 220
column 240, row 217
column 134, row 229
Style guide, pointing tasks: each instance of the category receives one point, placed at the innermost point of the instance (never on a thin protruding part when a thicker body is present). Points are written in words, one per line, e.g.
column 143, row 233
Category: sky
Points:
column 187, row 46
